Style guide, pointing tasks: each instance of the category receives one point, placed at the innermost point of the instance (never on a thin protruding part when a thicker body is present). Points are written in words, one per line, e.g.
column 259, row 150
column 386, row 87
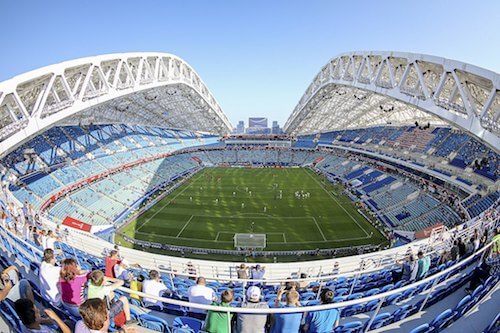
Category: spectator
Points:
column 200, row 294
column 100, row 288
column 110, row 261
column 323, row 320
column 336, row 268
column 252, row 323
column 287, row 322
column 154, row 286
column 191, row 270
column 13, row 288
column 409, row 270
column 462, row 248
column 49, row 278
column 71, row 284
column 424, row 263
column 444, row 257
column 302, row 285
column 95, row 318
column 488, row 267
column 136, row 284
column 217, row 322
column 33, row 321
column 258, row 273
column 242, row 272
column 454, row 250
column 120, row 271
column 50, row 240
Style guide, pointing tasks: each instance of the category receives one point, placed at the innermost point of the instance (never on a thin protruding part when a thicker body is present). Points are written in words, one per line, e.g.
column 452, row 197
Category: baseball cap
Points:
column 253, row 293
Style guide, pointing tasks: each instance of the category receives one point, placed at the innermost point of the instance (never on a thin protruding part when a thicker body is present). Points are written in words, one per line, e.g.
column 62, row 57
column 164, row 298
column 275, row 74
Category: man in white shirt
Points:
column 154, row 286
column 200, row 294
column 49, row 278
column 50, row 240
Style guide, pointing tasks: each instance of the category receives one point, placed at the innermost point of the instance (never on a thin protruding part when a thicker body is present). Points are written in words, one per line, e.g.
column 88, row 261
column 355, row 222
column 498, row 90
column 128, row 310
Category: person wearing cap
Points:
column 252, row 323
column 286, row 322
column 323, row 320
column 120, row 271
column 200, row 294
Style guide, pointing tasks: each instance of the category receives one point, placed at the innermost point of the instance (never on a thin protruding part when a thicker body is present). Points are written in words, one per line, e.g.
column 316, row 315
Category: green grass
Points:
column 190, row 215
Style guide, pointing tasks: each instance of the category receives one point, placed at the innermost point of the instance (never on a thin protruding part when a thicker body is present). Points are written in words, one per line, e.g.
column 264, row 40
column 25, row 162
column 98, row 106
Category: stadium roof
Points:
column 154, row 89
column 361, row 89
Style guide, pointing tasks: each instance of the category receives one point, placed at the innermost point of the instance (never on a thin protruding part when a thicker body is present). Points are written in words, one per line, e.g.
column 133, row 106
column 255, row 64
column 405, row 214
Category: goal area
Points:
column 249, row 241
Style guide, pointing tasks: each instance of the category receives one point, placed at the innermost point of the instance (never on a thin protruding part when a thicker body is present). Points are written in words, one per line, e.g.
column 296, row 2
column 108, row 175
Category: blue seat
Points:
column 354, row 296
column 462, row 307
column 379, row 321
column 352, row 310
column 476, row 294
column 424, row 328
column 372, row 292
column 387, row 288
column 307, row 296
column 153, row 323
column 402, row 312
column 189, row 323
column 352, row 327
column 393, row 299
column 372, row 305
column 442, row 320
column 341, row 291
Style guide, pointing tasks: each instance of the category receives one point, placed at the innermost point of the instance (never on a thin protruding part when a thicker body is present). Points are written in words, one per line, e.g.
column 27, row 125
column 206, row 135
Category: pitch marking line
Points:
column 168, row 203
column 338, row 203
column 320, row 231
column 184, row 227
column 231, row 242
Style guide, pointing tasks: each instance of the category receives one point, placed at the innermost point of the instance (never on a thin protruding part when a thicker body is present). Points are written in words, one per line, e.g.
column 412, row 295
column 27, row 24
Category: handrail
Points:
column 461, row 263
column 356, row 268
column 384, row 295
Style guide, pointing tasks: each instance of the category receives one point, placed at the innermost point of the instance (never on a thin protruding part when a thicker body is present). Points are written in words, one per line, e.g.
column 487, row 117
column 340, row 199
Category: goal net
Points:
column 249, row 241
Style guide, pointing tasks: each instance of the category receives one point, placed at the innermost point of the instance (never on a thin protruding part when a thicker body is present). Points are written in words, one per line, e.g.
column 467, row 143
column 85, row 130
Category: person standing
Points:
column 286, row 322
column 217, row 322
column 323, row 320
column 200, row 294
column 252, row 323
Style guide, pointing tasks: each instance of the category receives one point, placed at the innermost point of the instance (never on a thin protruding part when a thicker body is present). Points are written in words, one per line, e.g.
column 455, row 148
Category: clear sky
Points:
column 257, row 57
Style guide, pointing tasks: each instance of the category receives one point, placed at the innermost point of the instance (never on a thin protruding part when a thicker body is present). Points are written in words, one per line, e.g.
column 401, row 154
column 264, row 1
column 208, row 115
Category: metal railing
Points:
column 434, row 279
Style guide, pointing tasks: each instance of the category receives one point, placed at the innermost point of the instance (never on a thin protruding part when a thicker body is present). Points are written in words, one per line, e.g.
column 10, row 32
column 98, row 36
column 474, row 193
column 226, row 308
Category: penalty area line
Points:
column 185, row 225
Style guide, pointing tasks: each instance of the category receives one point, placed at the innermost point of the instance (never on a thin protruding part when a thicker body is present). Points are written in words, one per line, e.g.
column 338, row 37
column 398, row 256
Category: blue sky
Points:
column 257, row 57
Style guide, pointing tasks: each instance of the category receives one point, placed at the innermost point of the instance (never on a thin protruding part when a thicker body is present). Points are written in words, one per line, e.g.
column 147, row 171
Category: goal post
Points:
column 250, row 241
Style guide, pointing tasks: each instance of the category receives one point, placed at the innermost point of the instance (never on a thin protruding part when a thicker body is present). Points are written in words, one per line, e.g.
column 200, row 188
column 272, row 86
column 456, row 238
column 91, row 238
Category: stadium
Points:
column 386, row 155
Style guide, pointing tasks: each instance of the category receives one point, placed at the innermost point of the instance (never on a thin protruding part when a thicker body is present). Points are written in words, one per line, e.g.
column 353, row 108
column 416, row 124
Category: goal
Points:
column 250, row 241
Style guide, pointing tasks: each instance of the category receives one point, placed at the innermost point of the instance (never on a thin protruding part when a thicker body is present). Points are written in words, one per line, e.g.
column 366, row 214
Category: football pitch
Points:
column 295, row 208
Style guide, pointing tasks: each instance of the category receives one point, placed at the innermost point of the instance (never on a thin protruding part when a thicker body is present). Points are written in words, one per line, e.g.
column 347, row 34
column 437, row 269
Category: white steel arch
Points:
column 156, row 89
column 361, row 89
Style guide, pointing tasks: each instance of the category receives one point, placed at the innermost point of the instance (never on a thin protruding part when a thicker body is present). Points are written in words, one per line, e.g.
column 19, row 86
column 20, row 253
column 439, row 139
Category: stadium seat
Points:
column 442, row 320
column 154, row 323
column 352, row 310
column 351, row 327
column 191, row 324
column 424, row 328
column 462, row 307
column 379, row 321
